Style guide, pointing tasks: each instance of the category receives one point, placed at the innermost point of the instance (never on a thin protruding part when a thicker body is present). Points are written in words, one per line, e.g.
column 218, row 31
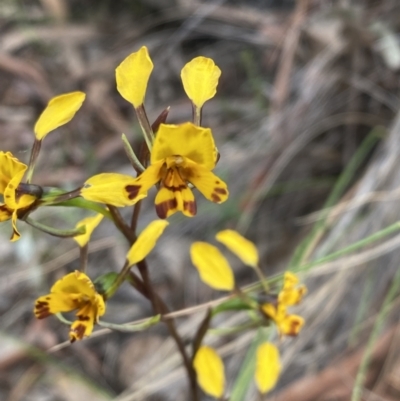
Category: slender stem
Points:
column 145, row 126
column 83, row 257
column 131, row 155
column 121, row 225
column 32, row 161
column 135, row 215
column 53, row 231
column 196, row 115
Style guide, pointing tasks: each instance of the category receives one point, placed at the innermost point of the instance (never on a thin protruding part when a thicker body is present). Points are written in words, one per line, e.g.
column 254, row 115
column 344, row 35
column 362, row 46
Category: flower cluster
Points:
column 215, row 271
column 180, row 157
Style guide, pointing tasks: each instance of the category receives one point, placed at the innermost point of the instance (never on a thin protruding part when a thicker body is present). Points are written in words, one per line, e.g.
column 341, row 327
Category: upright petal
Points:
column 291, row 325
column 200, row 79
column 212, row 187
column 60, row 110
column 147, row 179
column 146, row 241
column 268, row 367
column 244, row 249
column 210, row 371
column 90, row 223
column 10, row 166
column 15, row 236
column 74, row 283
column 112, row 189
column 133, row 75
column 10, row 194
column 212, row 266
column 186, row 140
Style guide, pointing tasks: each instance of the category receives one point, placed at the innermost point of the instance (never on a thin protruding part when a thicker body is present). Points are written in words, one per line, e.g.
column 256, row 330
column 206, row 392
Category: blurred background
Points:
column 306, row 118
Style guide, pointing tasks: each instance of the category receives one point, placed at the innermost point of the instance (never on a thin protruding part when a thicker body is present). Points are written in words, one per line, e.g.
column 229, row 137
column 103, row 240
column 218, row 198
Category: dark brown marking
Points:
column 42, row 309
column 221, row 191
column 83, row 318
column 215, row 198
column 176, row 189
column 77, row 332
column 132, row 190
column 191, row 207
column 163, row 208
column 218, row 182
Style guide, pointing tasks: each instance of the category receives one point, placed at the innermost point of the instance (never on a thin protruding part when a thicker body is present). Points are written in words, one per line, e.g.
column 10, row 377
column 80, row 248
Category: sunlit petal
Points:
column 210, row 371
column 200, row 79
column 133, row 75
column 113, row 189
column 186, row 140
column 211, row 186
column 59, row 111
column 268, row 367
column 75, row 283
column 146, row 241
column 10, row 166
column 212, row 266
column 244, row 249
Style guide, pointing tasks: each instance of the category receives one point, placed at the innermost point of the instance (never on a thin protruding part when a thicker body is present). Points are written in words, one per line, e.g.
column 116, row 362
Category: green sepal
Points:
column 104, row 283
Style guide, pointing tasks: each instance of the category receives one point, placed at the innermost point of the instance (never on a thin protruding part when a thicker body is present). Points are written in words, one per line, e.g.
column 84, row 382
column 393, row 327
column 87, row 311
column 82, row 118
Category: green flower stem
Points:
column 129, row 328
column 131, row 155
column 84, row 204
column 55, row 232
column 226, row 331
column 145, row 125
column 32, row 160
column 262, row 278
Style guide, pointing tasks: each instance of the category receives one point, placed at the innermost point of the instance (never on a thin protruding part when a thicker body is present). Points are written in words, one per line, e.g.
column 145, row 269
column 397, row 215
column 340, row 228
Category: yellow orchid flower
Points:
column 212, row 266
column 200, row 79
column 181, row 154
column 210, row 371
column 268, row 367
column 291, row 294
column 59, row 111
column 11, row 174
column 73, row 291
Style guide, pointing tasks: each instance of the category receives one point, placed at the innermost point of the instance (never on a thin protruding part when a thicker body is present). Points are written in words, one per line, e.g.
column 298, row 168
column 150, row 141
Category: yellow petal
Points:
column 10, row 194
column 10, row 166
column 210, row 371
column 212, row 266
column 211, row 186
column 200, row 79
column 133, row 75
column 60, row 110
column 186, row 140
column 147, row 179
column 5, row 213
column 268, row 367
column 15, row 236
column 54, row 303
column 169, row 201
column 244, row 249
column 290, row 280
column 292, row 296
column 146, row 241
column 90, row 224
column 74, row 283
column 112, row 189
column 291, row 325
column 83, row 327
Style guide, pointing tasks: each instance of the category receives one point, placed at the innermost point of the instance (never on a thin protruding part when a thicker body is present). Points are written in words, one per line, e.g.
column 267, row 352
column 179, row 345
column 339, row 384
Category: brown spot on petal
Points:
column 191, row 207
column 83, row 318
column 221, row 191
column 77, row 333
column 218, row 182
column 163, row 208
column 215, row 198
column 132, row 190
column 42, row 309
